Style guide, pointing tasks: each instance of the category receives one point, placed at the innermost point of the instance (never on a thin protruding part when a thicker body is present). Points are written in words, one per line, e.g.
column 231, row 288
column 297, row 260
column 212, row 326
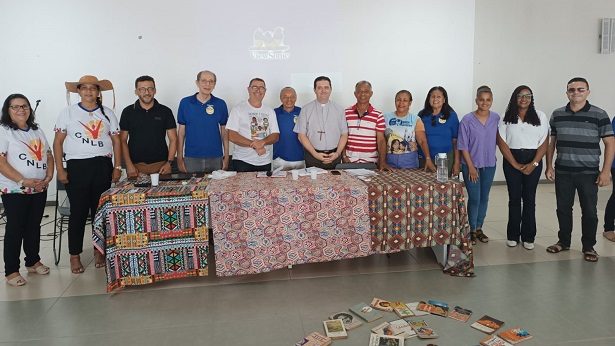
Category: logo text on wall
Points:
column 269, row 45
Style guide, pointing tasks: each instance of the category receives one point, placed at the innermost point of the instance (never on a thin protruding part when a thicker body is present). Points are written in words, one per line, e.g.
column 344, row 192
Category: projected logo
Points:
column 269, row 45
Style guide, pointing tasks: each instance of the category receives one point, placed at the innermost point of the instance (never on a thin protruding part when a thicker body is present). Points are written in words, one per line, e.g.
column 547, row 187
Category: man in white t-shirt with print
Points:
column 253, row 128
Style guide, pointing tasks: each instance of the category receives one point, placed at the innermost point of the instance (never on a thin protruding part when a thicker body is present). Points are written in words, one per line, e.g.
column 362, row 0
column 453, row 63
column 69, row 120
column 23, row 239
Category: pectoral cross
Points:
column 321, row 132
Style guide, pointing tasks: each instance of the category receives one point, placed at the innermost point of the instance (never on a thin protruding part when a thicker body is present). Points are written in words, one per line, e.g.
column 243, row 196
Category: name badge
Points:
column 209, row 109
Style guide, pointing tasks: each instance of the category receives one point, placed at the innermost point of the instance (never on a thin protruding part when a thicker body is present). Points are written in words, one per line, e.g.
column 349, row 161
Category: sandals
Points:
column 75, row 265
column 557, row 247
column 590, row 255
column 473, row 238
column 99, row 259
column 610, row 235
column 16, row 281
column 38, row 268
column 482, row 237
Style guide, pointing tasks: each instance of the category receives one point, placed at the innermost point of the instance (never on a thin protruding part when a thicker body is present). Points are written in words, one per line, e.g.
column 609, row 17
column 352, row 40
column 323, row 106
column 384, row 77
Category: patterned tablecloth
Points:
column 153, row 234
column 263, row 224
column 410, row 209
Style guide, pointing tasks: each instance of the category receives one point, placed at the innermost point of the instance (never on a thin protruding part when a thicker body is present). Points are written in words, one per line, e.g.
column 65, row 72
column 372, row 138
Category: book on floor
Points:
column 382, row 305
column 366, row 312
column 423, row 331
column 487, row 324
column 494, row 340
column 515, row 335
column 314, row 339
column 460, row 314
column 401, row 309
column 385, row 340
column 350, row 321
column 414, row 308
column 438, row 307
column 403, row 328
column 383, row 328
column 335, row 329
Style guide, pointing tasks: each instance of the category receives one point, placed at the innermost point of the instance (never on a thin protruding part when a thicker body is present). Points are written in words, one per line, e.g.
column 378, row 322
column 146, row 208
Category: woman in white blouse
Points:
column 522, row 139
column 26, row 168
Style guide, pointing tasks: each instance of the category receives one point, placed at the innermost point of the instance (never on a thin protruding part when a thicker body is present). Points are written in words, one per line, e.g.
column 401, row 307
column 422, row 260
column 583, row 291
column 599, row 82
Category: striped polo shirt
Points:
column 362, row 146
column 578, row 137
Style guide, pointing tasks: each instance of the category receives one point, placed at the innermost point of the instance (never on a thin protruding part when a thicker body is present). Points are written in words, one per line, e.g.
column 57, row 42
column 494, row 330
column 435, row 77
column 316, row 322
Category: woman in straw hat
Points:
column 26, row 168
column 87, row 136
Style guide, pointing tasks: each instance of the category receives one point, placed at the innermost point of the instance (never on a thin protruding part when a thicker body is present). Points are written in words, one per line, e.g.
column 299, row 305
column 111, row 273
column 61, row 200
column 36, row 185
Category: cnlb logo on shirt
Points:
column 92, row 133
column 269, row 45
column 34, row 156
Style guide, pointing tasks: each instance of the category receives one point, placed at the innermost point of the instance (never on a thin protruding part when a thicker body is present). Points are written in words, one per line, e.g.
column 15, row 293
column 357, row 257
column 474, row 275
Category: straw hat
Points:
column 104, row 84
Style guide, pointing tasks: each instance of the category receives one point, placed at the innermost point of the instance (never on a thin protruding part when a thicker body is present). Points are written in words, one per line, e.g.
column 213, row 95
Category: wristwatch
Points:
column 535, row 164
column 170, row 162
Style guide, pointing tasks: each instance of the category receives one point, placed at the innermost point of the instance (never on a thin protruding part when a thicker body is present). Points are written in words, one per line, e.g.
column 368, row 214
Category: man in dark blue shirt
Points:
column 288, row 151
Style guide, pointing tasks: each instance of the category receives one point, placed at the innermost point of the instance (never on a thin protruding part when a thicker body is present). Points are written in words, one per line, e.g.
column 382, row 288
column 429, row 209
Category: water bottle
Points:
column 441, row 168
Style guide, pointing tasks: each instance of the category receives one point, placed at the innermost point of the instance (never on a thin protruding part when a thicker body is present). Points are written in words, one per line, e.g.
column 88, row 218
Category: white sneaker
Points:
column 528, row 246
column 511, row 243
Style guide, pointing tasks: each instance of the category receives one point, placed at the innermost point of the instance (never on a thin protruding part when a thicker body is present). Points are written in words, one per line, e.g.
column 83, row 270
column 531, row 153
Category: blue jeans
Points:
column 478, row 194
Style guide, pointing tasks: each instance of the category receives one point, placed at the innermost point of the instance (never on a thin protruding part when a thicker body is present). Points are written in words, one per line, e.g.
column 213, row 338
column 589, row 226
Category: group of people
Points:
column 91, row 147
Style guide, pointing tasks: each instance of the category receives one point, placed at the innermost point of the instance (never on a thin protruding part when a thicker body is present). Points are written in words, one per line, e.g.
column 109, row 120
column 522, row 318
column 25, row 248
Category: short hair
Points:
column 579, row 79
column 321, row 78
column 6, row 120
column 404, row 91
column 361, row 82
column 256, row 80
column 287, row 88
column 144, row 79
column 198, row 75
column 483, row 89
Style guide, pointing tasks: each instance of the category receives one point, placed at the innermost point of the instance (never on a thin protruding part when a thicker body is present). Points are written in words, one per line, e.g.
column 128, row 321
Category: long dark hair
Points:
column 446, row 108
column 512, row 110
column 6, row 117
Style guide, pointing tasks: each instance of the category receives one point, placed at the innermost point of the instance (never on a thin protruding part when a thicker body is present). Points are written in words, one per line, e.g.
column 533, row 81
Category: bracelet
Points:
column 119, row 168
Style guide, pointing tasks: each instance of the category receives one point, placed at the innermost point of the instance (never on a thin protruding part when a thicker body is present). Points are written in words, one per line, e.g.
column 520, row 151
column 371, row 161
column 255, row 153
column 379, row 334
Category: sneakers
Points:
column 528, row 246
column 511, row 243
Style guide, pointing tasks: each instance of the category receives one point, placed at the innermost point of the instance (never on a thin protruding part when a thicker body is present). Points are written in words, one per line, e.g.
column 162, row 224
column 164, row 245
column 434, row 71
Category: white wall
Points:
column 395, row 44
column 542, row 44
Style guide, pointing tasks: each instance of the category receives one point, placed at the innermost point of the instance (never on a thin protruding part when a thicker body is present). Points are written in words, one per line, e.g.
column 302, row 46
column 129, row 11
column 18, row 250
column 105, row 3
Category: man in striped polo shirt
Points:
column 366, row 141
column 576, row 130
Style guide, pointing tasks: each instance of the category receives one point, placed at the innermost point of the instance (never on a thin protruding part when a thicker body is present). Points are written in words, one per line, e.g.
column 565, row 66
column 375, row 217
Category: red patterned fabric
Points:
column 410, row 209
column 263, row 224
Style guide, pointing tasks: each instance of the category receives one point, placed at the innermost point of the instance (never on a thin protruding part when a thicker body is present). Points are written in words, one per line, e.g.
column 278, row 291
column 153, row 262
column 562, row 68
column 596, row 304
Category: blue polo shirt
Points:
column 440, row 135
column 288, row 148
column 202, row 121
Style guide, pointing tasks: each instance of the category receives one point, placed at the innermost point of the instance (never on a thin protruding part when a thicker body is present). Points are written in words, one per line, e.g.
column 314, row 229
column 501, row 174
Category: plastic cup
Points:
column 295, row 174
column 313, row 175
column 154, row 177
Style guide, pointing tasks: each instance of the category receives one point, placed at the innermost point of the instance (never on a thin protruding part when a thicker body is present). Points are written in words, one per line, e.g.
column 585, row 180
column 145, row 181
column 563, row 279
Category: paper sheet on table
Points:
column 220, row 174
column 307, row 171
column 361, row 172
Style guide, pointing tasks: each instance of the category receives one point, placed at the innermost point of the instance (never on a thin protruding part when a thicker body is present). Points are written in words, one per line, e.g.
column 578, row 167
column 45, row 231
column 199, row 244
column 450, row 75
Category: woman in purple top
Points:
column 477, row 142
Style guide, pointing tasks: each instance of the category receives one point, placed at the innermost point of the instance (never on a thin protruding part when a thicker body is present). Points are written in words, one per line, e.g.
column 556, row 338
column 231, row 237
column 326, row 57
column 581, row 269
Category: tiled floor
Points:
column 561, row 299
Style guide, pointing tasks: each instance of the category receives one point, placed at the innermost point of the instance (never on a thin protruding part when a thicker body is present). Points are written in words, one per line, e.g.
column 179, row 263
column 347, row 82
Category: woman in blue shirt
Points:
column 441, row 127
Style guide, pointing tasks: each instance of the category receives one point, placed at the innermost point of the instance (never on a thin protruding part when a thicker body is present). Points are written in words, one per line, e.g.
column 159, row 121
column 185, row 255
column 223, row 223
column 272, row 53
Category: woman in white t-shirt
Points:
column 26, row 168
column 522, row 135
column 87, row 137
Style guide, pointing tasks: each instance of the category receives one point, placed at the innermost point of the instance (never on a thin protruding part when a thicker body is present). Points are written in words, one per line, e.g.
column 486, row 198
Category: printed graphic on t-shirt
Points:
column 35, row 149
column 92, row 130
column 400, row 136
column 259, row 126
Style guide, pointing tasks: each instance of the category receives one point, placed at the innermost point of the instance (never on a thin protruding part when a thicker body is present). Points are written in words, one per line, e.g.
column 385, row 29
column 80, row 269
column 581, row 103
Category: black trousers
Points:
column 522, row 197
column 242, row 166
column 311, row 161
column 565, row 186
column 609, row 212
column 87, row 180
column 23, row 224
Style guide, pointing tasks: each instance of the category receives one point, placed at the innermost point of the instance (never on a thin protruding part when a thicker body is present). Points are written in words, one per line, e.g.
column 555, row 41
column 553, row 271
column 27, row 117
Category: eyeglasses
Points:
column 148, row 89
column 579, row 90
column 258, row 88
column 207, row 81
column 16, row 107
column 524, row 96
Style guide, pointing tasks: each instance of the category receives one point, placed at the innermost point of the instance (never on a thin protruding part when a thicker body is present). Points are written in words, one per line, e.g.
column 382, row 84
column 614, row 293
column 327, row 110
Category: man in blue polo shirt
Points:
column 287, row 151
column 202, row 129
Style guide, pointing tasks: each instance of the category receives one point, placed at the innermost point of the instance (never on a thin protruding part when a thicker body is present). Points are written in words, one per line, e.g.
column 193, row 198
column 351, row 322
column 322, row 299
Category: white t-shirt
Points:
column 26, row 152
column 523, row 135
column 252, row 123
column 88, row 134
